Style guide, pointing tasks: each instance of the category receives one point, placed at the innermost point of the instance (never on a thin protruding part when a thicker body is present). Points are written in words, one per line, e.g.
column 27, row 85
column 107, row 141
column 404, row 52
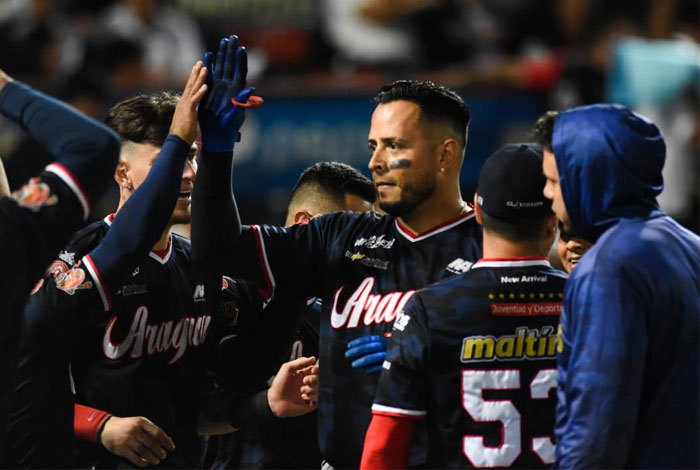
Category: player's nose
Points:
column 190, row 170
column 377, row 162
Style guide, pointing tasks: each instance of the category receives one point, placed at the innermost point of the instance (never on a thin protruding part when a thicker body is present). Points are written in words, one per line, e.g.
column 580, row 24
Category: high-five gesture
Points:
column 219, row 118
column 184, row 124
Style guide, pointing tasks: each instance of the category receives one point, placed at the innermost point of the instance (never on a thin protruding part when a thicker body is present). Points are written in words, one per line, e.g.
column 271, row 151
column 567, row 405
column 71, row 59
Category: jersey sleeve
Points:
column 295, row 258
column 604, row 337
column 403, row 384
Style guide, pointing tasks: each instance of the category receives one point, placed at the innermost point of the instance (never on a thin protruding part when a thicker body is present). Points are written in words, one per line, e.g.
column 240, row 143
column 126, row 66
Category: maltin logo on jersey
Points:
column 526, row 343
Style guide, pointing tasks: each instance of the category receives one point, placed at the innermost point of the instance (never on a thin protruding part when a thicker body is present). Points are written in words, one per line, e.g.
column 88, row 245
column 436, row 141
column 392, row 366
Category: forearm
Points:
column 141, row 221
column 216, row 225
column 235, row 409
column 387, row 443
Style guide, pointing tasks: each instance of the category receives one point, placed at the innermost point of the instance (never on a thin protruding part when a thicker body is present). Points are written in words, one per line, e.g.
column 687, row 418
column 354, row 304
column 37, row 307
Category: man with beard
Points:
column 629, row 366
column 363, row 266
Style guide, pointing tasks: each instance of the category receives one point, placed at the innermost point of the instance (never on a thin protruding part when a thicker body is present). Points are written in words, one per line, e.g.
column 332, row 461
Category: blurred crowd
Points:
column 641, row 53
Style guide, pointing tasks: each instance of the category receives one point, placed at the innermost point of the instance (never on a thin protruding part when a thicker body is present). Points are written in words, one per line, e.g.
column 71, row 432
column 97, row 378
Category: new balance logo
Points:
column 199, row 293
column 459, row 266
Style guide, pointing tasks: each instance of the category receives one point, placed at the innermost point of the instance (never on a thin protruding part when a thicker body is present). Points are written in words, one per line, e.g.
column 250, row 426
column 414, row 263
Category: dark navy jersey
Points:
column 475, row 355
column 34, row 224
column 364, row 267
column 282, row 443
column 143, row 350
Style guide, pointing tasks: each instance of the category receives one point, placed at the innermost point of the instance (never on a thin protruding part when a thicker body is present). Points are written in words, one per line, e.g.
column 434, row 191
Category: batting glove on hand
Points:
column 368, row 353
column 219, row 119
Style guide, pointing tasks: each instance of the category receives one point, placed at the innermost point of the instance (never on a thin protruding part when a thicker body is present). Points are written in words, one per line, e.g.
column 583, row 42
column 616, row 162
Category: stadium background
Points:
column 317, row 63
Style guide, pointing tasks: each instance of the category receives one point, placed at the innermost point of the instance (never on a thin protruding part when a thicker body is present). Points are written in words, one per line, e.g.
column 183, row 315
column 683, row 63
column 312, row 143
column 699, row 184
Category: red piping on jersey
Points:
column 516, row 258
column 428, row 232
column 75, row 181
column 160, row 254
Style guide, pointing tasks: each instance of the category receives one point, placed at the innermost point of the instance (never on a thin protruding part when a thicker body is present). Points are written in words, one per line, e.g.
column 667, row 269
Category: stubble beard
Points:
column 412, row 195
column 180, row 217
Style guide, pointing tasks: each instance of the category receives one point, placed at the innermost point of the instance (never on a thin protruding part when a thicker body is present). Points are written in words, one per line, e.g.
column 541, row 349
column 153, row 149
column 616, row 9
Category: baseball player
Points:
column 37, row 220
column 474, row 355
column 266, row 441
column 363, row 266
column 139, row 325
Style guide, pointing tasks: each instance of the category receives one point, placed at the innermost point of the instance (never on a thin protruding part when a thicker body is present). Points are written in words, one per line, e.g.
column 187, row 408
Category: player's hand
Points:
column 219, row 119
column 184, row 123
column 285, row 396
column 309, row 391
column 367, row 353
column 136, row 439
column 4, row 79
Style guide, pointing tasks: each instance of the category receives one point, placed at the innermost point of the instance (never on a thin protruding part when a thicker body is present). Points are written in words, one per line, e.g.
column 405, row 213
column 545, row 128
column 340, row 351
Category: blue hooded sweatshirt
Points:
column 629, row 369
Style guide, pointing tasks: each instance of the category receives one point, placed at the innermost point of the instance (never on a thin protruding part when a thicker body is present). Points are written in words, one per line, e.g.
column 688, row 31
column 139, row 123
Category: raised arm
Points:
column 86, row 151
column 216, row 225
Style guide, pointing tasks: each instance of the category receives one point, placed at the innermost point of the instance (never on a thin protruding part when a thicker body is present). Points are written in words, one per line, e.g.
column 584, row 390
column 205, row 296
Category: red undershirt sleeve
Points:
column 387, row 442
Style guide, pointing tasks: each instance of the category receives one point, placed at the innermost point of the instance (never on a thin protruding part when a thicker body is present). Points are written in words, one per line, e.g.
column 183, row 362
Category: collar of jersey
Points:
column 161, row 259
column 517, row 262
column 468, row 214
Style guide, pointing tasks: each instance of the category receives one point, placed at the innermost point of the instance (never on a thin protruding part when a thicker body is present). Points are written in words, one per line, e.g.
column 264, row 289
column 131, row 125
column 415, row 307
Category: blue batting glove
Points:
column 368, row 353
column 219, row 119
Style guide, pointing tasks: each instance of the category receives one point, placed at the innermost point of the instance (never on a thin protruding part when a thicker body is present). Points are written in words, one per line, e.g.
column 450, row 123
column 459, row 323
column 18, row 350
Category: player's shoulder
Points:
column 351, row 227
column 88, row 237
column 343, row 219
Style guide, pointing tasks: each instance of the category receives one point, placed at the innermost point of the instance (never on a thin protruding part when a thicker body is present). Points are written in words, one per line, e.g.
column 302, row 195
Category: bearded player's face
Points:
column 404, row 160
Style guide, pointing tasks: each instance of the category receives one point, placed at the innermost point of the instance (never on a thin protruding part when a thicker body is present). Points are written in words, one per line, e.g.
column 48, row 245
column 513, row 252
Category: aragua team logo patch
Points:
column 34, row 195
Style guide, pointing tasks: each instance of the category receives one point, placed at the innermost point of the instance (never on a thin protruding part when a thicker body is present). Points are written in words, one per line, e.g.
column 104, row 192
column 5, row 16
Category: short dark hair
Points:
column 544, row 128
column 437, row 103
column 515, row 230
column 334, row 180
column 144, row 119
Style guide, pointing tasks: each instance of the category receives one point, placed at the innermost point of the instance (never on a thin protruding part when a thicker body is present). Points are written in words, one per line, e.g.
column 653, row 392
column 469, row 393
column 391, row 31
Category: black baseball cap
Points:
column 511, row 183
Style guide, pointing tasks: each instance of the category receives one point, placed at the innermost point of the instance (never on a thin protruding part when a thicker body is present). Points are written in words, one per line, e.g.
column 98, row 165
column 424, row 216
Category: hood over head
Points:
column 609, row 161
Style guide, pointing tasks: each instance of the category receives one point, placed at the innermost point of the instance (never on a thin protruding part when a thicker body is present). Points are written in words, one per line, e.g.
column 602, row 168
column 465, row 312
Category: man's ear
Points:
column 449, row 154
column 477, row 209
column 121, row 175
column 302, row 217
column 551, row 225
